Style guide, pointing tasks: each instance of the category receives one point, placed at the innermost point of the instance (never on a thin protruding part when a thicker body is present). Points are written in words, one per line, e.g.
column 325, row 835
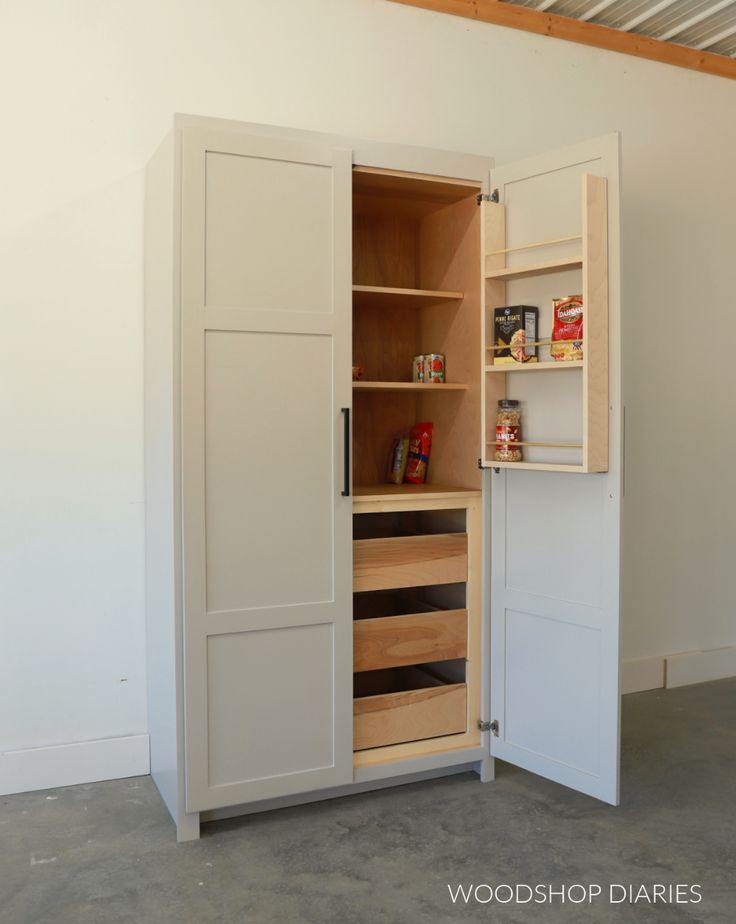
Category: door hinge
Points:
column 492, row 198
column 489, row 726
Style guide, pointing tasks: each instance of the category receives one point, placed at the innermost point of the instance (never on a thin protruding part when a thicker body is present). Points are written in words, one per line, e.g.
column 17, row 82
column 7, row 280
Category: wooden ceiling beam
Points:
column 585, row 33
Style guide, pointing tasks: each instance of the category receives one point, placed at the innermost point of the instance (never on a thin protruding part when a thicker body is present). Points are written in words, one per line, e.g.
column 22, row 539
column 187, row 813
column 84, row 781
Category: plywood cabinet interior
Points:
column 416, row 289
column 416, row 270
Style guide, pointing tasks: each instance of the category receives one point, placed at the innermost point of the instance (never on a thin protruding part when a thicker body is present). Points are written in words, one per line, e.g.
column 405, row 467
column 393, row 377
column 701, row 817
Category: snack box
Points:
column 513, row 327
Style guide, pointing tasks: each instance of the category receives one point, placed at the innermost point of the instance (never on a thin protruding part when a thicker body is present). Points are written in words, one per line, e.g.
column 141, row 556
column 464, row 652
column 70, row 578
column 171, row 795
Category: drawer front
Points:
column 392, row 718
column 409, row 561
column 416, row 638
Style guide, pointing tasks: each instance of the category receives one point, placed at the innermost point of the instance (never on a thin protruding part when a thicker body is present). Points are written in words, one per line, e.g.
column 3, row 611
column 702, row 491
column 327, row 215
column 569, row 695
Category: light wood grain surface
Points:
column 409, row 561
column 408, row 716
column 417, row 638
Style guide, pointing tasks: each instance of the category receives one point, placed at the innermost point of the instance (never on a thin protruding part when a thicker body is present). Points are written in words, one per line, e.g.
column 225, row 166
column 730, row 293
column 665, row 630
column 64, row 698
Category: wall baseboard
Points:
column 642, row 674
column 677, row 670
column 72, row 764
column 701, row 666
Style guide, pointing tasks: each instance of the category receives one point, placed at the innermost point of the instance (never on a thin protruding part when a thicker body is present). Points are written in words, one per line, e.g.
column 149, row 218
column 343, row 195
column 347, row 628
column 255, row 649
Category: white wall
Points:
column 88, row 90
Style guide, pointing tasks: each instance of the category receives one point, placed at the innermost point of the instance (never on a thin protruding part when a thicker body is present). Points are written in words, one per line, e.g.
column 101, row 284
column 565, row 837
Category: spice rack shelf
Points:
column 543, row 444
column 535, row 367
column 539, row 466
column 586, row 394
column 434, row 387
column 390, row 297
column 508, row 274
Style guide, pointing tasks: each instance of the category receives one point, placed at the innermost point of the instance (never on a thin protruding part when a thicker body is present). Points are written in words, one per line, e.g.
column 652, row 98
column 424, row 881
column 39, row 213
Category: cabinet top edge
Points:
column 366, row 152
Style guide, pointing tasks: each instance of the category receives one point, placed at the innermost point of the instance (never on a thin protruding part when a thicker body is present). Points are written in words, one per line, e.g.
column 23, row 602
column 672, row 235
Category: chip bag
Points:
column 420, row 444
column 567, row 331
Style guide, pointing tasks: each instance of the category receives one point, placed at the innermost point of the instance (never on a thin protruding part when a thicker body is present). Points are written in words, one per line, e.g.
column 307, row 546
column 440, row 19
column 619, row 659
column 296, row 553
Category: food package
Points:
column 513, row 327
column 567, row 330
column 398, row 460
column 420, row 444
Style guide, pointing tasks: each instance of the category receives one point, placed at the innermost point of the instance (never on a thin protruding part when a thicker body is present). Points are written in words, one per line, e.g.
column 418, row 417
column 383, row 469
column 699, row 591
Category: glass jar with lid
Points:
column 508, row 431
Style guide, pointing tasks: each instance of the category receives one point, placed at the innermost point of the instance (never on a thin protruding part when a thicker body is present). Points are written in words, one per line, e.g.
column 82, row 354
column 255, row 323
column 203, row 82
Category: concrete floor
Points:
column 106, row 852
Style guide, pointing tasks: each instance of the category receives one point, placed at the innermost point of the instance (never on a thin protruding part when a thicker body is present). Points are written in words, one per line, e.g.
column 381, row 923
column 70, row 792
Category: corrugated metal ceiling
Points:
column 707, row 25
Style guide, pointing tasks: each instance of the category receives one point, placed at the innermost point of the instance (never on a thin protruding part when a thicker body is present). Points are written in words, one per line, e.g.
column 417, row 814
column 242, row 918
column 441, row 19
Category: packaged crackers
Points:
column 567, row 328
column 513, row 327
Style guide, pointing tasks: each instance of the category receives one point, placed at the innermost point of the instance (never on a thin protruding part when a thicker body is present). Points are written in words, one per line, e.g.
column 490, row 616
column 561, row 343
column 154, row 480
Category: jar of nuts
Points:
column 508, row 431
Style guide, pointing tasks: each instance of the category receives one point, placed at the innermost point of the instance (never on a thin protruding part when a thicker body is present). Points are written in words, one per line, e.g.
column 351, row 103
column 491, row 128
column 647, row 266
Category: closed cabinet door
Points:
column 555, row 520
column 266, row 393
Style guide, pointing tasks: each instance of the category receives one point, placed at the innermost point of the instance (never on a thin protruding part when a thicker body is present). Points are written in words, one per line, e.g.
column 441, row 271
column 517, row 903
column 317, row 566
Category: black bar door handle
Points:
column 346, row 451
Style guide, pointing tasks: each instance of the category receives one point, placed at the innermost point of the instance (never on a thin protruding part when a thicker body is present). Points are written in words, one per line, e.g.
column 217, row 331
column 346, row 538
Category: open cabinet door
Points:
column 555, row 516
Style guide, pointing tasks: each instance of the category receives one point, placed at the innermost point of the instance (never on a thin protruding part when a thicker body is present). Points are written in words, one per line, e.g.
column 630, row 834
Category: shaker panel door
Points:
column 555, row 560
column 266, row 343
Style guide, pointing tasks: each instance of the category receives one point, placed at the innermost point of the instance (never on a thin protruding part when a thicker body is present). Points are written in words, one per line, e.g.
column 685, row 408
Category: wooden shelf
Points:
column 536, row 466
column 538, row 445
column 386, row 297
column 535, row 269
column 379, row 492
column 409, row 386
column 535, row 367
column 535, row 244
column 401, row 185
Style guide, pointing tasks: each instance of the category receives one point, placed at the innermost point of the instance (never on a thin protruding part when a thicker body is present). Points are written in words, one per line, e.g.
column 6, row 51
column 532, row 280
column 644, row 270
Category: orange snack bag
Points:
column 567, row 332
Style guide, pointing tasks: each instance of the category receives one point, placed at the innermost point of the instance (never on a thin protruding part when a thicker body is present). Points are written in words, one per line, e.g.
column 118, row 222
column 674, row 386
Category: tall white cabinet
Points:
column 311, row 629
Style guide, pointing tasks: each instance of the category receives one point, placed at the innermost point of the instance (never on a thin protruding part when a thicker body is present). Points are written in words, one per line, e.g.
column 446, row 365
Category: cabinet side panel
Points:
column 450, row 259
column 160, row 477
column 595, row 298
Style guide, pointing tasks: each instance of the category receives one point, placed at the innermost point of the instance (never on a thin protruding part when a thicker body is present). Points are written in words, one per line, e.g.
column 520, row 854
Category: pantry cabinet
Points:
column 313, row 629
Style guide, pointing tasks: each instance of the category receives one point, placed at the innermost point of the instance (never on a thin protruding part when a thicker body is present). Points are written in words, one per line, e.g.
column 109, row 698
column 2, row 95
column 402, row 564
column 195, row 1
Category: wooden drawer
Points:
column 428, row 709
column 414, row 638
column 409, row 561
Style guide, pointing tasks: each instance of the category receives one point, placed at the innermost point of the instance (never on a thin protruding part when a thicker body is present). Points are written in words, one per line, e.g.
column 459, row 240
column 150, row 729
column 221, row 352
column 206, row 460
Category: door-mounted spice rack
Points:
column 593, row 262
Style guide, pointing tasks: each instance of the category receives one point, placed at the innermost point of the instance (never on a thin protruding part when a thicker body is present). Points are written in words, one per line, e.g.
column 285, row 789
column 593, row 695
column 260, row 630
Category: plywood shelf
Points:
column 381, row 492
column 401, row 186
column 535, row 367
column 388, row 297
column 507, row 274
column 539, row 445
column 536, row 466
column 409, row 386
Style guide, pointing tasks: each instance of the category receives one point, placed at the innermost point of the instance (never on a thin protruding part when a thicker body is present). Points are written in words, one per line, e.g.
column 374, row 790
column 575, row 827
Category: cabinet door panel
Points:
column 262, row 251
column 555, row 559
column 266, row 333
column 268, row 469
column 249, row 743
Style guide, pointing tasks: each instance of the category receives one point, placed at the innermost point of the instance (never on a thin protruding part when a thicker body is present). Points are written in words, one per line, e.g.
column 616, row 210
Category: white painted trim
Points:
column 71, row 764
column 642, row 674
column 677, row 670
column 332, row 792
column 701, row 666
